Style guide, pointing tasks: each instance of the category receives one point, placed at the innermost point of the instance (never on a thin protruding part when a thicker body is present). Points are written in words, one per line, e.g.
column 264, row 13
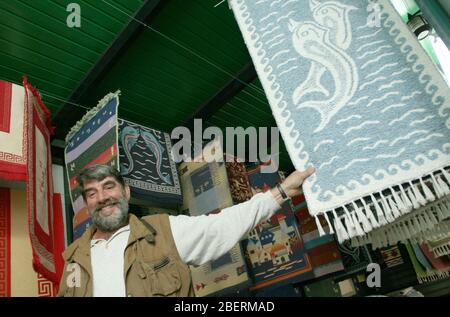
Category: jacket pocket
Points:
column 163, row 277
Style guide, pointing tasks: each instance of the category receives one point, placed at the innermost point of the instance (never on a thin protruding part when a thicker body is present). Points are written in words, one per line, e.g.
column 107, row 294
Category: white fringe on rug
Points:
column 433, row 275
column 412, row 210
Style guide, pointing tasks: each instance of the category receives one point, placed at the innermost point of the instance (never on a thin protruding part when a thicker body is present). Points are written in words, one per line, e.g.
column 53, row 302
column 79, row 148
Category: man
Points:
column 122, row 255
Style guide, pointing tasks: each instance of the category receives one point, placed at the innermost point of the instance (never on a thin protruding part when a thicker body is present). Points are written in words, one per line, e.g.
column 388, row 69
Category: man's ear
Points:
column 127, row 191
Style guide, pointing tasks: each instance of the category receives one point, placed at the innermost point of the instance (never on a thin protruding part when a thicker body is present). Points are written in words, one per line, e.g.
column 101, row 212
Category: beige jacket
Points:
column 152, row 265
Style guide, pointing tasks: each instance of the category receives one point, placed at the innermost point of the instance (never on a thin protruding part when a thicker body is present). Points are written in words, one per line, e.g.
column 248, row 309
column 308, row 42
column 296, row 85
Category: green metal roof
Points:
column 35, row 40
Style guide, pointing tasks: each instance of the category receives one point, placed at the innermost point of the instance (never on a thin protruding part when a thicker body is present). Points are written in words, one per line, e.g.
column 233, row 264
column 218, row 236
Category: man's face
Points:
column 107, row 203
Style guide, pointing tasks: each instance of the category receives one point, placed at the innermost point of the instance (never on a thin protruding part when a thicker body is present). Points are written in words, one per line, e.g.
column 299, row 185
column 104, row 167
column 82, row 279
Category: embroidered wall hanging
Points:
column 146, row 164
column 274, row 249
column 93, row 140
column 13, row 133
column 355, row 95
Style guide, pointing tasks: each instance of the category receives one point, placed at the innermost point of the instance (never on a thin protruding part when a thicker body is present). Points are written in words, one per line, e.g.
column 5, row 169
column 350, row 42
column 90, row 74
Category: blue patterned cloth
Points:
column 146, row 164
column 353, row 93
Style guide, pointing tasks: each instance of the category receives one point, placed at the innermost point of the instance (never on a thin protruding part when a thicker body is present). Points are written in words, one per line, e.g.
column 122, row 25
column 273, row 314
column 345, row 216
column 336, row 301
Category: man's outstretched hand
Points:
column 291, row 185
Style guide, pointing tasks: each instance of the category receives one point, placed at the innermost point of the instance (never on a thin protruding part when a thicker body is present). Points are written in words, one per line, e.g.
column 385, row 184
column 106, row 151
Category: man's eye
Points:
column 91, row 194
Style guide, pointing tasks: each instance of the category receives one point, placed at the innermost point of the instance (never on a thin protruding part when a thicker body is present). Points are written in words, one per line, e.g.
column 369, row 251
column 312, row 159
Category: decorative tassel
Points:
column 422, row 201
column 432, row 217
column 439, row 212
column 428, row 193
column 387, row 209
column 340, row 229
column 423, row 224
column 428, row 221
column 417, row 224
column 390, row 236
column 401, row 206
column 359, row 230
column 363, row 219
column 437, row 188
column 446, row 175
column 370, row 215
column 319, row 226
column 349, row 223
column 355, row 242
column 329, row 224
column 413, row 198
column 412, row 227
column 395, row 212
column 444, row 187
column 408, row 233
column 445, row 210
column 381, row 220
column 406, row 200
column 403, row 234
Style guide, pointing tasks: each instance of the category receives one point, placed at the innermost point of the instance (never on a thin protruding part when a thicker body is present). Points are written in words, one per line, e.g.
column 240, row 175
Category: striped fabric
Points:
column 93, row 140
column 323, row 251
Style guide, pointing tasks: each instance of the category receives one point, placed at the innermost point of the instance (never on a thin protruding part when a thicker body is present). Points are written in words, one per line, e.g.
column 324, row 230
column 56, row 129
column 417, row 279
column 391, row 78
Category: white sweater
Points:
column 198, row 240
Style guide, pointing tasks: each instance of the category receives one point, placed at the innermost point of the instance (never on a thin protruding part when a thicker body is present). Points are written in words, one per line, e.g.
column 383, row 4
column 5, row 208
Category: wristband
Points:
column 282, row 192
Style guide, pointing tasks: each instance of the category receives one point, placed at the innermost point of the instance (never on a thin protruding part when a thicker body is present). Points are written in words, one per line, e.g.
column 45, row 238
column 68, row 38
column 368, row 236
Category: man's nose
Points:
column 102, row 196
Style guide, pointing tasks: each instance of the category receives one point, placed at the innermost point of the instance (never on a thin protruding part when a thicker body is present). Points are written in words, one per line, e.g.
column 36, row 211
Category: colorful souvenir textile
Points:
column 354, row 258
column 146, row 164
column 93, row 140
column 355, row 95
column 274, row 249
column 13, row 133
column 205, row 191
column 238, row 180
column 40, row 185
column 323, row 251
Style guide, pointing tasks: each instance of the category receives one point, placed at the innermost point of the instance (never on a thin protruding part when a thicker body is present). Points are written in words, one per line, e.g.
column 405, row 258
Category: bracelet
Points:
column 282, row 192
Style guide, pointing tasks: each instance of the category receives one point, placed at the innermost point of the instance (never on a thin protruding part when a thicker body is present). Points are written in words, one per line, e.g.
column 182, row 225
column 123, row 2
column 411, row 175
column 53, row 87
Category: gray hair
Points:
column 98, row 173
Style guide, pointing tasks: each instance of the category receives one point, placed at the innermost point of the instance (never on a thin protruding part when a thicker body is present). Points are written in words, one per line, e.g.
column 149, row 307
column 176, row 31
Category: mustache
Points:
column 106, row 203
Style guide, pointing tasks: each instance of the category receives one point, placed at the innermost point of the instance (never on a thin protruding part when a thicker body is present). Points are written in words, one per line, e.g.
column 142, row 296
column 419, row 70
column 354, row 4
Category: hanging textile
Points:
column 93, row 140
column 146, row 164
column 40, row 200
column 440, row 265
column 354, row 258
column 428, row 268
column 340, row 80
column 274, row 249
column 17, row 277
column 238, row 180
column 391, row 256
column 5, row 243
column 440, row 245
column 13, row 133
column 206, row 191
column 323, row 251
column 323, row 288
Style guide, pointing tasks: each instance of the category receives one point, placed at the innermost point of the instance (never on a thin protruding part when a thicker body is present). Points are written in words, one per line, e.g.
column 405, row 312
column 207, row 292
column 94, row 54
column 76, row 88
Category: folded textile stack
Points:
column 206, row 190
column 323, row 251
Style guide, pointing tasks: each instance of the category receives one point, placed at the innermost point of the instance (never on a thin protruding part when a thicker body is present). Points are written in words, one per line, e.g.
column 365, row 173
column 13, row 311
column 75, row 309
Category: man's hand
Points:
column 291, row 185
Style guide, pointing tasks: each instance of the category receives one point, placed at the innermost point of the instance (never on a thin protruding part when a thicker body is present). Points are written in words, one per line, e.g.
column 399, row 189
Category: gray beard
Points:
column 114, row 221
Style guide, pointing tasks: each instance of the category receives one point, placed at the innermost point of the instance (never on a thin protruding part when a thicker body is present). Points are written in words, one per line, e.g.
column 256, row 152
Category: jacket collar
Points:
column 137, row 231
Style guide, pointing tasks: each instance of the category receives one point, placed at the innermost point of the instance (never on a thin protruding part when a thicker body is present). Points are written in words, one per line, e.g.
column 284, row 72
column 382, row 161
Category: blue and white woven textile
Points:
column 356, row 96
